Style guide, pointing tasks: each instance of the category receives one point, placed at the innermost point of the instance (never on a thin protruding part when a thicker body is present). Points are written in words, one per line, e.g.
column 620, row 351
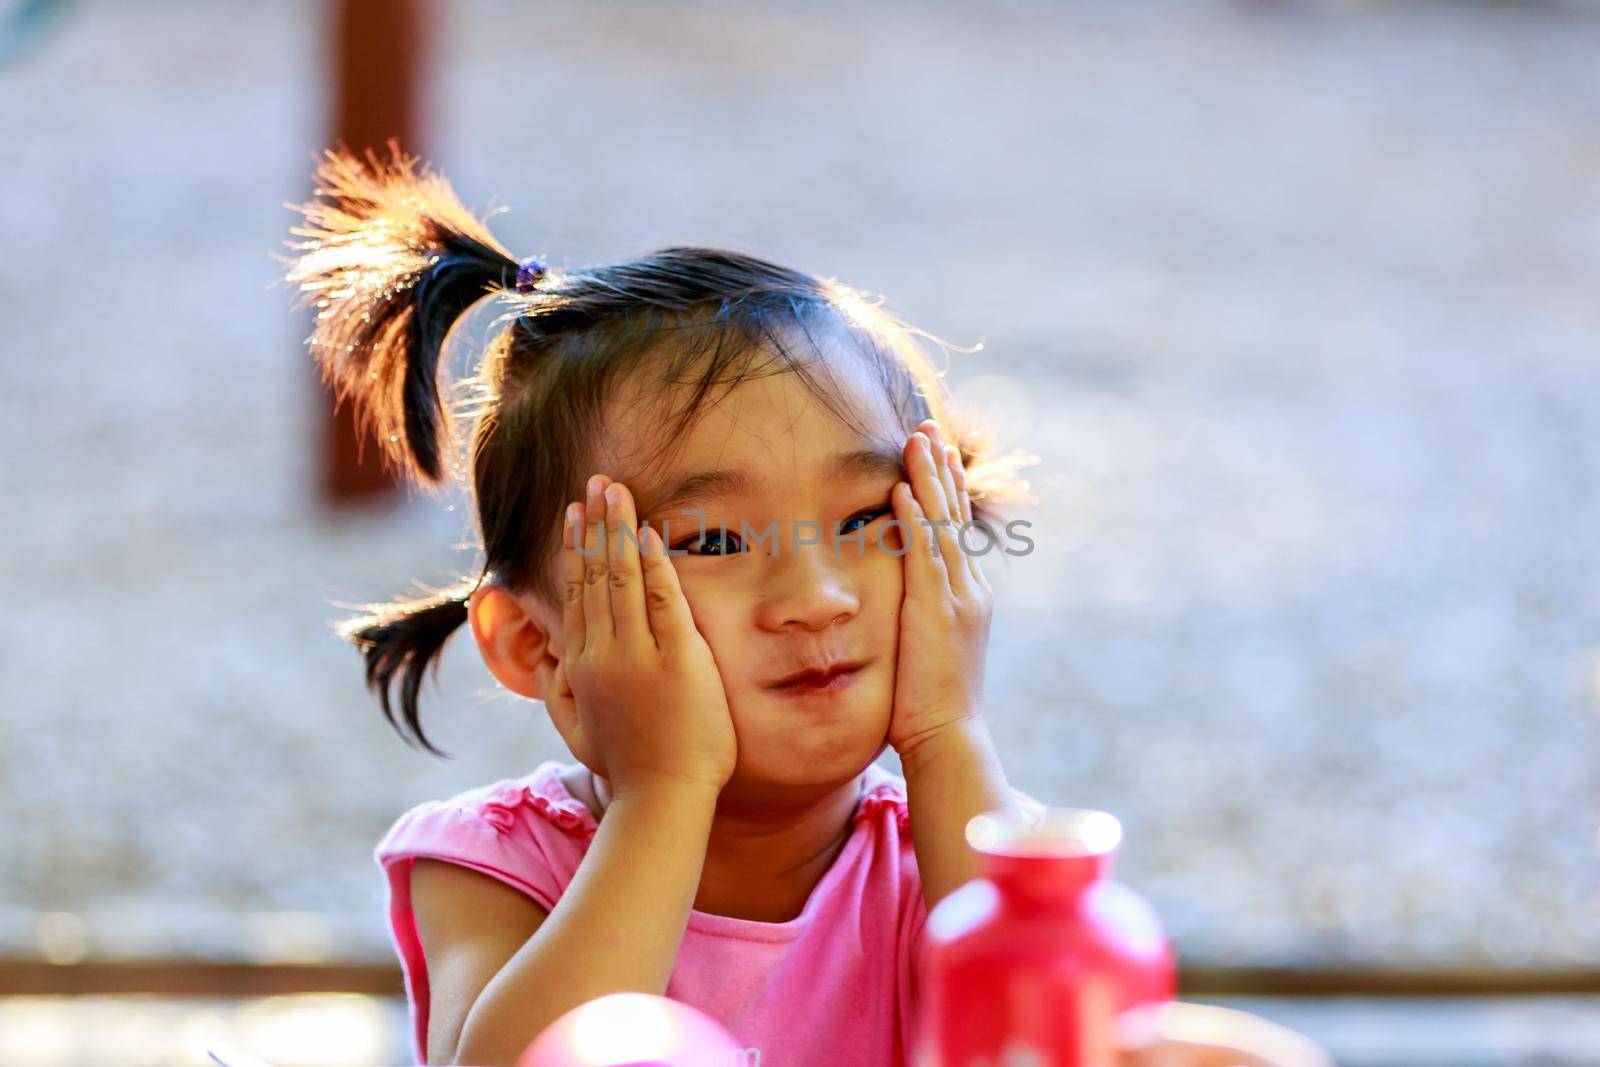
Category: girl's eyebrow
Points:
column 705, row 486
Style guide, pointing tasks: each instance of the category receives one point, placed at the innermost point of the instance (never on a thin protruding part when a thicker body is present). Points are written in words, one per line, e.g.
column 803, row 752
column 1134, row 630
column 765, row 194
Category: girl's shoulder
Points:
column 529, row 833
column 545, row 807
column 530, row 806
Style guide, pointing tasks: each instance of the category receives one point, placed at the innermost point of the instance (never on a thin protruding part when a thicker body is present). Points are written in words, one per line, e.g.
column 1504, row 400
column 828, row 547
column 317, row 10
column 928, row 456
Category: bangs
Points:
column 699, row 361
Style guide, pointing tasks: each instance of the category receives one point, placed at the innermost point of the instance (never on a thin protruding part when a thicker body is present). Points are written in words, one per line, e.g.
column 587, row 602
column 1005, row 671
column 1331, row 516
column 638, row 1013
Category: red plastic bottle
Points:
column 1028, row 965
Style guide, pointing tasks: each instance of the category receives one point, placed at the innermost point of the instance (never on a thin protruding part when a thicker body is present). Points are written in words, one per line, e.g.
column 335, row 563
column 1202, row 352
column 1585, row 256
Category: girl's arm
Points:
column 617, row 928
column 950, row 777
column 937, row 727
column 630, row 642
column 469, row 924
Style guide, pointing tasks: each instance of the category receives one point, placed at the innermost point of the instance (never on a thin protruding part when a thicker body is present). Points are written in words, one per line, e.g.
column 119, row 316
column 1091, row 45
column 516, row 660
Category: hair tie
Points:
column 529, row 271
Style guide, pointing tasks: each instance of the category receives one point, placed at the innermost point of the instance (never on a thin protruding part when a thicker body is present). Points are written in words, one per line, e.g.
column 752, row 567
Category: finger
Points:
column 925, row 577
column 942, row 466
column 961, row 572
column 563, row 709
column 958, row 484
column 962, row 577
column 572, row 581
column 976, row 538
column 923, row 469
column 626, row 581
column 665, row 606
column 596, row 594
column 925, row 480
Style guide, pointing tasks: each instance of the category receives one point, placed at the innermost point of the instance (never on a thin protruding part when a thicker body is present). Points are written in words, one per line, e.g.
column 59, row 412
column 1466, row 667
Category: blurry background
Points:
column 1297, row 303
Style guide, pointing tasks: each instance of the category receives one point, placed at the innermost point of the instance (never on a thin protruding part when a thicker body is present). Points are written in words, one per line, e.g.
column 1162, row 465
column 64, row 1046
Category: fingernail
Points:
column 594, row 487
column 613, row 493
column 572, row 514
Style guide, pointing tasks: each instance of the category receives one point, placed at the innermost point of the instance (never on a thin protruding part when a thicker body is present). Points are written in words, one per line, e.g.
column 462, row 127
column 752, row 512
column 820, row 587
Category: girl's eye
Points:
column 724, row 542
column 717, row 538
column 869, row 516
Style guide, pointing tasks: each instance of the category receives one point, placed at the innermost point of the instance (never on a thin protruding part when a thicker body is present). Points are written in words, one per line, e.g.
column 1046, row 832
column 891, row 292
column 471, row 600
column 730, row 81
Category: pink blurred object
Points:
column 633, row 1030
column 1029, row 965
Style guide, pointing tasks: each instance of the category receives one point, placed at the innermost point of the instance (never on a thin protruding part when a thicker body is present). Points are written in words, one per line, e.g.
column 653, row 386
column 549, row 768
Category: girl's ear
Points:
column 522, row 654
column 517, row 648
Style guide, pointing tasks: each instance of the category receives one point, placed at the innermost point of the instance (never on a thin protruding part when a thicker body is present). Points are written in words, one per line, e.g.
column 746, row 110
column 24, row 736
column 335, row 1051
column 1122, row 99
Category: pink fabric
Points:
column 833, row 986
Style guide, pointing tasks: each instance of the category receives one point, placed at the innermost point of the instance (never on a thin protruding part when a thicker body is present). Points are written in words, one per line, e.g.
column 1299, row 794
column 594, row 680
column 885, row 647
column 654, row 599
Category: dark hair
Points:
column 391, row 261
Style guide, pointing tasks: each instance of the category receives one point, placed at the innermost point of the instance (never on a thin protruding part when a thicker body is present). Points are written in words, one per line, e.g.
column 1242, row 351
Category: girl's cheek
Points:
column 881, row 583
column 701, row 600
column 713, row 612
column 885, row 539
column 888, row 556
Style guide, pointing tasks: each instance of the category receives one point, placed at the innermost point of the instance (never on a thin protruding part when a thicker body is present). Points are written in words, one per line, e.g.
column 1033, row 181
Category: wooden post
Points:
column 378, row 56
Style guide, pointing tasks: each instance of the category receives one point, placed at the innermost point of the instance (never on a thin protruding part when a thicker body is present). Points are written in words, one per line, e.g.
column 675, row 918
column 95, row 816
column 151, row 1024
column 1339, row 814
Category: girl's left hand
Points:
column 945, row 613
column 1181, row 1034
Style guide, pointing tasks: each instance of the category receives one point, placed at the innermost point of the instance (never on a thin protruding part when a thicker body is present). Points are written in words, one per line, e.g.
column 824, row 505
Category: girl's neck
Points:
column 762, row 863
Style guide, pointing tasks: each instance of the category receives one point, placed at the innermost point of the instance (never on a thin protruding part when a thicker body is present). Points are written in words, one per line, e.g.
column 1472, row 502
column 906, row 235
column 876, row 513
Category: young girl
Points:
column 732, row 539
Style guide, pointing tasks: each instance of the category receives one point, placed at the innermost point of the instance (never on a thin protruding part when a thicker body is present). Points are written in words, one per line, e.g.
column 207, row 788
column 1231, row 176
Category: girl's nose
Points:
column 807, row 588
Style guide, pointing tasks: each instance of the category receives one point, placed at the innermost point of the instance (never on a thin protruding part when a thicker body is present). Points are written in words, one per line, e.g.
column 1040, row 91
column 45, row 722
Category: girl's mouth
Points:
column 814, row 684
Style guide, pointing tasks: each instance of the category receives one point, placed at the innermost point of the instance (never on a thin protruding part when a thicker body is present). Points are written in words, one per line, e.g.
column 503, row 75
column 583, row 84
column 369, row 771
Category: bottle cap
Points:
column 1062, row 832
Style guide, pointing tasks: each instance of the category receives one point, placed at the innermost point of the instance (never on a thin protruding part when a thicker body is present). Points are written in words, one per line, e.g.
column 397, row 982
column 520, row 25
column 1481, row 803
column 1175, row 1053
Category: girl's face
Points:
column 784, row 470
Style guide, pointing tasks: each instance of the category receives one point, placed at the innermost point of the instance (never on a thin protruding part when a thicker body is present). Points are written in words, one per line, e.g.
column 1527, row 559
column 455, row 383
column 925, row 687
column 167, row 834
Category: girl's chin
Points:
column 814, row 738
column 814, row 756
column 783, row 782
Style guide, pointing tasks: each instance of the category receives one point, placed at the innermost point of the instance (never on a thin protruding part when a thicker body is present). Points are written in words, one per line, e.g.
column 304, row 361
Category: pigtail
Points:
column 399, row 640
column 391, row 259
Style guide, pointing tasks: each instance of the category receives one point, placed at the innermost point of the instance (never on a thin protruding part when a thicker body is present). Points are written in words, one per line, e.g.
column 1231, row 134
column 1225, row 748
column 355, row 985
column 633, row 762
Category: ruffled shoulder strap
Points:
column 529, row 832
column 540, row 795
column 884, row 796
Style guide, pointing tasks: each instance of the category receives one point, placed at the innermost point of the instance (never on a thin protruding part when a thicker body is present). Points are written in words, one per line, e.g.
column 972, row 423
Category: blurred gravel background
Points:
column 1297, row 304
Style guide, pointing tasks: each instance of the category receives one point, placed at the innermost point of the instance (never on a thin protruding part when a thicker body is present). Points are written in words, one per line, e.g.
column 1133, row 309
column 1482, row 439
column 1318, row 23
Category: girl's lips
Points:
column 814, row 686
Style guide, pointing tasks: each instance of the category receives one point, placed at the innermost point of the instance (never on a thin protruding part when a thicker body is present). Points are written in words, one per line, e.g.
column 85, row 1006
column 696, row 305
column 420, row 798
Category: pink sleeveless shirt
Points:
column 835, row 985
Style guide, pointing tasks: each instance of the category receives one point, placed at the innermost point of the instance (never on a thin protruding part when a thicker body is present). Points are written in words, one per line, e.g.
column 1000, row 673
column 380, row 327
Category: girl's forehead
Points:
column 769, row 434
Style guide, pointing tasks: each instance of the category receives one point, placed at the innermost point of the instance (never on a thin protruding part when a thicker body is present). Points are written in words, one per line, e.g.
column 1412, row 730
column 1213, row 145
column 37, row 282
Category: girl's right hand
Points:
column 650, row 705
